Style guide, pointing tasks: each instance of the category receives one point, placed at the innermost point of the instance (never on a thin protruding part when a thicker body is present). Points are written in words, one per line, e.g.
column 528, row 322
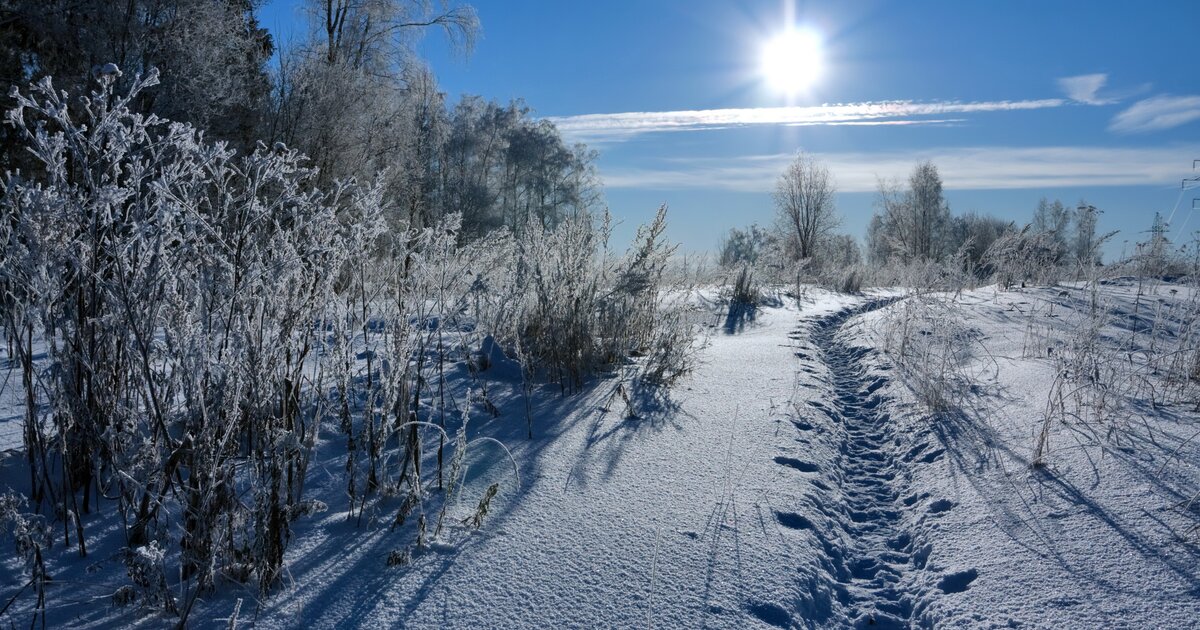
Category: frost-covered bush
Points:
column 1026, row 256
column 176, row 286
column 203, row 313
column 744, row 291
column 31, row 538
column 583, row 309
column 923, row 276
column 849, row 280
column 145, row 568
column 746, row 246
column 1118, row 356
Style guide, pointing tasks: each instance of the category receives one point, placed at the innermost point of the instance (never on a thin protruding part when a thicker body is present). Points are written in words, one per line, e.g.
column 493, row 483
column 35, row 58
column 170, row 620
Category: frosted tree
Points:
column 1085, row 244
column 370, row 33
column 975, row 233
column 842, row 251
column 360, row 52
column 211, row 55
column 1054, row 218
column 502, row 168
column 914, row 223
column 930, row 214
column 804, row 205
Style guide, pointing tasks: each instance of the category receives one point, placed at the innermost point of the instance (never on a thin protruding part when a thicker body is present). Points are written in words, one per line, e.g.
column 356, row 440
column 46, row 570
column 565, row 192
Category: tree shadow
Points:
column 973, row 449
column 740, row 315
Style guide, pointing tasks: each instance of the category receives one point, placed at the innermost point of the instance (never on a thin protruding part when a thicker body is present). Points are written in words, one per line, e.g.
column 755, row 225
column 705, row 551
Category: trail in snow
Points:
column 724, row 507
column 874, row 567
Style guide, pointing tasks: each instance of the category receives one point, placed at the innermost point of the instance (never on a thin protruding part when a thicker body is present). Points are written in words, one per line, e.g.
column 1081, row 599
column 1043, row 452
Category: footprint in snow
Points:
column 791, row 520
column 874, row 386
column 770, row 614
column 792, row 462
column 900, row 541
column 920, row 557
column 941, row 505
column 957, row 582
column 914, row 451
column 932, row 456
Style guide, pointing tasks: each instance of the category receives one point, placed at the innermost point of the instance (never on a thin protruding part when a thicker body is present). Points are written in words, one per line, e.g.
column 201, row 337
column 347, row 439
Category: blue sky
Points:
column 1012, row 100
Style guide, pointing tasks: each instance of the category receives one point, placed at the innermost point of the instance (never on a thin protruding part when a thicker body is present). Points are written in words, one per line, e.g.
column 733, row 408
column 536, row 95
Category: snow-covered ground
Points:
column 793, row 480
column 1102, row 535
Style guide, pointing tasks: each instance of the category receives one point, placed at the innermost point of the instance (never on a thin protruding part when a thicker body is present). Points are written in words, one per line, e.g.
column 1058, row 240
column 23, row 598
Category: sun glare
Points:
column 791, row 62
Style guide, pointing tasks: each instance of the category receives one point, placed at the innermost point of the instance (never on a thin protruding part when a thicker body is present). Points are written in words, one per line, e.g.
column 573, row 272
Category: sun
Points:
column 792, row 61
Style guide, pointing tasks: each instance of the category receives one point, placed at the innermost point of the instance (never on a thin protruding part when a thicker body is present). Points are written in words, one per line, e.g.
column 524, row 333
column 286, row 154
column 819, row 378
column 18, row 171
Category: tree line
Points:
column 351, row 95
column 912, row 224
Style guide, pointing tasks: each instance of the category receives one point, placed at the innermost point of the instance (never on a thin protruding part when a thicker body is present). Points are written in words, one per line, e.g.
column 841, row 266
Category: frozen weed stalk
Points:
column 928, row 338
column 175, row 285
column 210, row 320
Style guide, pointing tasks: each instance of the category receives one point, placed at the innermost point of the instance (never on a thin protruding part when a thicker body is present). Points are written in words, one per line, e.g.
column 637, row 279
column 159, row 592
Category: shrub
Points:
column 204, row 312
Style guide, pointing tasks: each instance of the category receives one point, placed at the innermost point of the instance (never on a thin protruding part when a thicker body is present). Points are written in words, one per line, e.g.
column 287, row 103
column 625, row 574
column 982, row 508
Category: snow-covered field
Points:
column 793, row 480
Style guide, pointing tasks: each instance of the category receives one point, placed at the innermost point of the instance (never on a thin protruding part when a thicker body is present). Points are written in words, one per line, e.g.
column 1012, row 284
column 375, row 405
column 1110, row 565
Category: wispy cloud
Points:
column 622, row 126
column 1085, row 88
column 962, row 168
column 1157, row 113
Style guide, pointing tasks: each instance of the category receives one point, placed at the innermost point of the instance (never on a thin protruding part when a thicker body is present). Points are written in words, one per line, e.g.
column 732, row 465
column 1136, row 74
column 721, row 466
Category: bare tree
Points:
column 369, row 33
column 805, row 206
column 888, row 233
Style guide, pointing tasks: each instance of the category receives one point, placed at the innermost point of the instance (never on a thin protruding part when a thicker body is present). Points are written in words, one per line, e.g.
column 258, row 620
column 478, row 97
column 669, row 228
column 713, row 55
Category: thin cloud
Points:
column 961, row 168
column 884, row 123
column 623, row 126
column 1157, row 113
column 1085, row 88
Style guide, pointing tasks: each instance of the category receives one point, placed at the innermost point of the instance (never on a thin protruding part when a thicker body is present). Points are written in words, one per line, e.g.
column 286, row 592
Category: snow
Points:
column 793, row 480
column 1096, row 538
column 668, row 519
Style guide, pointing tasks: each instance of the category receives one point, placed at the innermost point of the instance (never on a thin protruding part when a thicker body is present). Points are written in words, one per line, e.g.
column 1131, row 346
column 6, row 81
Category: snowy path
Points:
column 878, row 556
column 793, row 481
column 680, row 518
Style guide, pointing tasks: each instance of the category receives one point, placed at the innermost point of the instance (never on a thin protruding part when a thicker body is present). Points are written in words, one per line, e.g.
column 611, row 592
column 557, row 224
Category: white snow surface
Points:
column 791, row 481
column 1103, row 536
column 665, row 520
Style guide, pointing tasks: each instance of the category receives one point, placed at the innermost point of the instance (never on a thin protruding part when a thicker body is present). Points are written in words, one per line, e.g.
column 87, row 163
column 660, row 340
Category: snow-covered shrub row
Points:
column 175, row 287
column 913, row 240
column 203, row 316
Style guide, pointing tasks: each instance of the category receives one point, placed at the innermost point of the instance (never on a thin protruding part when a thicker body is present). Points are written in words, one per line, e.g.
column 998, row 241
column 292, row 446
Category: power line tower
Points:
column 1157, row 250
column 1193, row 182
column 1189, row 183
